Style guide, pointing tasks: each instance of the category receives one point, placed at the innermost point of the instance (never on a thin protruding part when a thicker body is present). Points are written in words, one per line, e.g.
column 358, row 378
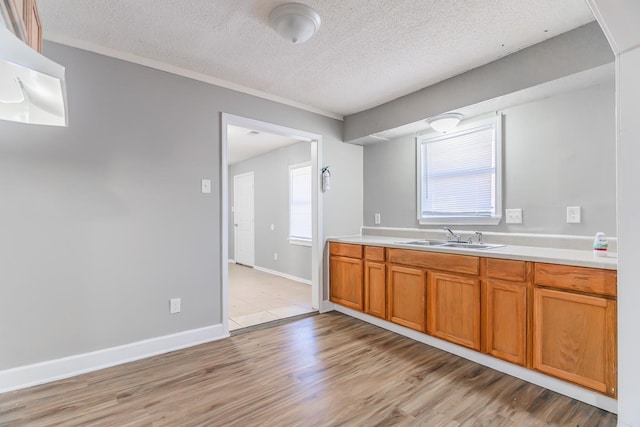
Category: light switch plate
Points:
column 206, row 186
column 174, row 305
column 514, row 216
column 376, row 218
column 574, row 215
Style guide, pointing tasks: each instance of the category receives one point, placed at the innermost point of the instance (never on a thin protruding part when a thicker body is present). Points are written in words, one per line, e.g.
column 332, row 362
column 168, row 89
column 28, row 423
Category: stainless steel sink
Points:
column 423, row 242
column 445, row 244
column 470, row 245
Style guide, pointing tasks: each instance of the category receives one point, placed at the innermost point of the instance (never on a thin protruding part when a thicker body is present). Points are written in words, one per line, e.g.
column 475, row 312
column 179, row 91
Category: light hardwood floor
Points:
column 325, row 370
column 257, row 297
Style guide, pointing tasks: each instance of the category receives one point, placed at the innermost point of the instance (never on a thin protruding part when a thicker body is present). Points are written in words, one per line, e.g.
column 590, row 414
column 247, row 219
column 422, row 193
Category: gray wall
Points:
column 581, row 49
column 271, row 206
column 102, row 222
column 558, row 152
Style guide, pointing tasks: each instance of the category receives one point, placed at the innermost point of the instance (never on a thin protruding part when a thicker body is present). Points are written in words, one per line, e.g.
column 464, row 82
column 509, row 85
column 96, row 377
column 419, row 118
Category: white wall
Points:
column 629, row 232
column 619, row 20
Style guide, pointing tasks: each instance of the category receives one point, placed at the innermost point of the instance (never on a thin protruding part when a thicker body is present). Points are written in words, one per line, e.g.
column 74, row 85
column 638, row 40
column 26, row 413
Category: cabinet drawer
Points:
column 506, row 269
column 374, row 253
column 345, row 249
column 436, row 261
column 591, row 280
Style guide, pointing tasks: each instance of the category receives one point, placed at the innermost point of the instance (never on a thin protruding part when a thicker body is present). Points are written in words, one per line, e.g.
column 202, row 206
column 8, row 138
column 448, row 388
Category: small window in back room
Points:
column 300, row 218
column 459, row 175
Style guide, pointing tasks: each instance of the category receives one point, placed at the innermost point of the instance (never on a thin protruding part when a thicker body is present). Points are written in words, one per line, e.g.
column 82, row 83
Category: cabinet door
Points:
column 375, row 299
column 454, row 309
column 407, row 294
column 574, row 338
column 346, row 282
column 506, row 320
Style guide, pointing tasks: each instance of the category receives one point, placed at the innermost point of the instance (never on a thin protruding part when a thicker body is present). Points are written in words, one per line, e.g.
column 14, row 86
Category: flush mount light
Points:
column 444, row 123
column 295, row 22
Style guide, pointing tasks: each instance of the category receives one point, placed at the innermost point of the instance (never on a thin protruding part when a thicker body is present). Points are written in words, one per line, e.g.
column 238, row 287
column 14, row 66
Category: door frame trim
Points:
column 315, row 140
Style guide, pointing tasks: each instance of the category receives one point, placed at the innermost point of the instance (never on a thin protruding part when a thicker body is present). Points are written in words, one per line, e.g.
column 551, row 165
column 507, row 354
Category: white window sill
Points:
column 489, row 220
column 300, row 242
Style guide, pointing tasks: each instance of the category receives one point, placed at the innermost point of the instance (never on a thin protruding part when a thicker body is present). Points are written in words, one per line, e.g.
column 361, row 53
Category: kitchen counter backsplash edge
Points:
column 567, row 250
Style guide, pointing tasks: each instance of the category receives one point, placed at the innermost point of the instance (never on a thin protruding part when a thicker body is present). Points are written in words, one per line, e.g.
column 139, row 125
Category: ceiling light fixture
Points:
column 295, row 22
column 444, row 123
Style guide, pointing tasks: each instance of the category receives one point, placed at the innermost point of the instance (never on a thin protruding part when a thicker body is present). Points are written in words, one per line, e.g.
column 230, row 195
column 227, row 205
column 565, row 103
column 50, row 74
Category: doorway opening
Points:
column 271, row 223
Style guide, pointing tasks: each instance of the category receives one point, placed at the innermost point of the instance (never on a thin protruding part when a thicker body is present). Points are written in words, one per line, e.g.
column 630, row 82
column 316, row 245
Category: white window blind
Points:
column 459, row 176
column 300, row 202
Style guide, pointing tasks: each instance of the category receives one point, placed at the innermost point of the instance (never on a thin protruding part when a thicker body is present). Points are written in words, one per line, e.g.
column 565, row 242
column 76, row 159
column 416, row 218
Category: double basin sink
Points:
column 445, row 244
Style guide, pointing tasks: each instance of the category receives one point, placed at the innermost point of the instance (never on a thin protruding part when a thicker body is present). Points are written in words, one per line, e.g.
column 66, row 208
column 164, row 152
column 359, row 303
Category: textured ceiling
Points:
column 367, row 52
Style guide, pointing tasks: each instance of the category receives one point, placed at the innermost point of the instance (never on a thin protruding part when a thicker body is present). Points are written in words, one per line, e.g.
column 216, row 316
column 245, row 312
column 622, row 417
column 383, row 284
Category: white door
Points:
column 243, row 237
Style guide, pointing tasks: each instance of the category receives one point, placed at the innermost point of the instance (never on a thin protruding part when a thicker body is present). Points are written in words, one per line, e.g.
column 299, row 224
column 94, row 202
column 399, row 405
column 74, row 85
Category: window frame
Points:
column 469, row 127
column 297, row 240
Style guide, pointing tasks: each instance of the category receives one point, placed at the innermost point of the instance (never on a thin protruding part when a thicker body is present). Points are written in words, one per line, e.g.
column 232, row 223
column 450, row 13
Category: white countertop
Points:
column 524, row 253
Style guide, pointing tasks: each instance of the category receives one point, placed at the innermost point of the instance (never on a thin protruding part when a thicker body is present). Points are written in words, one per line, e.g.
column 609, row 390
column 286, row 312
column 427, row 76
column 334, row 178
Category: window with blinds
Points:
column 300, row 204
column 459, row 175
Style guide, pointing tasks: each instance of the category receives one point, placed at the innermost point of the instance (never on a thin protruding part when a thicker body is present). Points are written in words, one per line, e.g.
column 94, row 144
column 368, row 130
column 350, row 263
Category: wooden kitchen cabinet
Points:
column 579, row 279
column 407, row 296
column 574, row 325
column 346, row 275
column 436, row 261
column 505, row 300
column 506, row 321
column 454, row 308
column 557, row 319
column 375, row 289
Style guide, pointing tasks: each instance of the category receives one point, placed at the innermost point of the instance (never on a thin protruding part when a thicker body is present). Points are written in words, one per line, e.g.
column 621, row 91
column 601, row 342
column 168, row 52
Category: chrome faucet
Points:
column 479, row 234
column 451, row 236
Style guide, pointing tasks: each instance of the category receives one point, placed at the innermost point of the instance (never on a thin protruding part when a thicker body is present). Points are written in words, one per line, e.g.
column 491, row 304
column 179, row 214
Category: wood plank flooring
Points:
column 325, row 370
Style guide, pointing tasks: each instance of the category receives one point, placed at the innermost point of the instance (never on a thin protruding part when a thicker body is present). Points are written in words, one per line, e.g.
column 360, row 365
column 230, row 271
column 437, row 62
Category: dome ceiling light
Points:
column 444, row 123
column 295, row 22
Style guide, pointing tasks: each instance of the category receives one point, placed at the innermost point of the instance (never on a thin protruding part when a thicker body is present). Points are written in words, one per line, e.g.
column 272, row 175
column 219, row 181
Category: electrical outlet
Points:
column 275, row 256
column 174, row 305
column 514, row 216
column 376, row 218
column 574, row 215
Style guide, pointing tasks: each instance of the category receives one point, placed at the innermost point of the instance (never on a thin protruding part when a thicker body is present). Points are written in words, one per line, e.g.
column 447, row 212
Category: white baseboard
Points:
column 52, row 370
column 559, row 386
column 285, row 275
column 232, row 261
column 326, row 306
